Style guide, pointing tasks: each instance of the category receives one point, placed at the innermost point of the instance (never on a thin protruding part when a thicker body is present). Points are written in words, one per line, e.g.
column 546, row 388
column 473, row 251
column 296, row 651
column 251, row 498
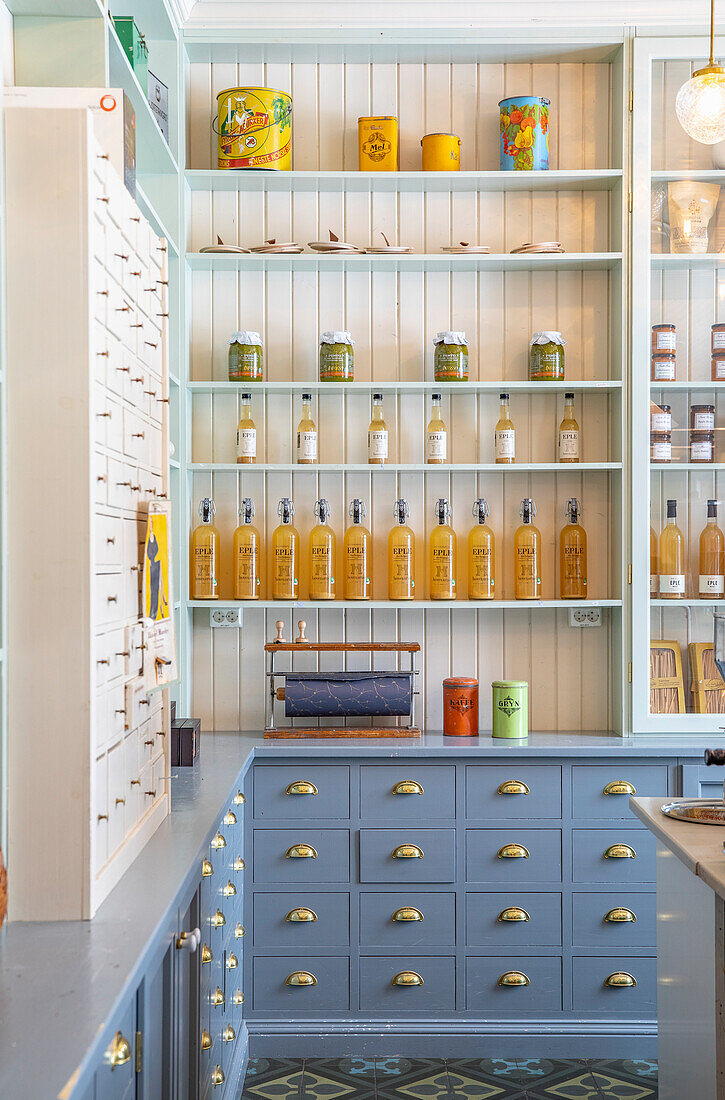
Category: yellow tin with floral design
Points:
column 377, row 142
column 441, row 153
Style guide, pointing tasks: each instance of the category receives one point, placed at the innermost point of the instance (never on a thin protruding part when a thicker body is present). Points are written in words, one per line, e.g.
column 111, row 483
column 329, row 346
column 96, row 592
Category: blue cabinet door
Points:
column 187, row 1020
column 156, row 1019
column 701, row 781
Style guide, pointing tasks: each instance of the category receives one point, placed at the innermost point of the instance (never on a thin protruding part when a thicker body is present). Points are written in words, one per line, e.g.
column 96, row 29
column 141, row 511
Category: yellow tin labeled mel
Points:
column 254, row 128
column 377, row 139
column 441, row 153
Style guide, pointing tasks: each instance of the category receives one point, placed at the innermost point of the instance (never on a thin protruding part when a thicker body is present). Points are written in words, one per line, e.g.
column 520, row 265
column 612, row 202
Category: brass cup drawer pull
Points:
column 513, row 851
column 407, row 978
column 513, row 786
column 237, row 997
column 301, row 915
column 230, row 818
column 513, row 978
column 408, row 786
column 620, row 915
column 232, row 961
column 301, row 786
column 119, row 1052
column 300, row 977
column 239, row 932
column 229, row 1034
column 205, row 1039
column 206, row 868
column 217, row 998
column 219, row 841
column 408, row 851
column 620, row 851
column 239, row 799
column 513, row 913
column 217, row 1077
column 218, row 920
column 229, row 890
column 238, row 864
column 206, row 954
column 620, row 786
column 620, row 979
column 301, row 851
column 408, row 912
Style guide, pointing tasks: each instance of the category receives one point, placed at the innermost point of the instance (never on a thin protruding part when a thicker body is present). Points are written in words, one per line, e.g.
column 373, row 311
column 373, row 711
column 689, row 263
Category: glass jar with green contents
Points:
column 546, row 357
column 337, row 357
column 451, row 357
column 246, row 357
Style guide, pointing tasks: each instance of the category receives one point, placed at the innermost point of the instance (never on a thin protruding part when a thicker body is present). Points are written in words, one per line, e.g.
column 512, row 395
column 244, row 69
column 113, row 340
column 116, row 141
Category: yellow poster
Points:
column 158, row 605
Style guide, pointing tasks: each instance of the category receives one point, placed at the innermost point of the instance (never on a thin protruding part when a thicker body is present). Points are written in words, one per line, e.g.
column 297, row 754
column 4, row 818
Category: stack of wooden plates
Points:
column 388, row 250
column 333, row 248
column 273, row 247
column 223, row 248
column 540, row 246
column 462, row 249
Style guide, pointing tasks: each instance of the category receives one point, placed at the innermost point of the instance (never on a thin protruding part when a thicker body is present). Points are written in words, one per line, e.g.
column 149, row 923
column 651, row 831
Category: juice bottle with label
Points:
column 401, row 555
column 442, row 554
column 481, row 555
column 357, row 554
column 712, row 557
column 205, row 555
column 322, row 555
column 377, row 434
column 527, row 555
column 285, row 554
column 568, row 442
column 436, row 438
column 246, row 433
column 504, row 434
column 246, row 555
column 672, row 557
column 306, row 434
column 573, row 555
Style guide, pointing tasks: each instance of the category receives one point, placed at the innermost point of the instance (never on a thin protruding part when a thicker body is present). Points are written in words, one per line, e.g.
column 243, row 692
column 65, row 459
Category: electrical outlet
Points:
column 585, row 616
column 225, row 616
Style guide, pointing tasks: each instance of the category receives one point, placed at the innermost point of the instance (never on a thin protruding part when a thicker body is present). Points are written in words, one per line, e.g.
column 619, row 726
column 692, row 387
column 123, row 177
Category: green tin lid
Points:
column 510, row 683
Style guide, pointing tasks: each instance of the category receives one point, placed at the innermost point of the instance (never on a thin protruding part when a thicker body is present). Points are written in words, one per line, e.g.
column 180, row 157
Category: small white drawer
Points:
column 160, row 780
column 103, row 660
column 101, row 353
column 154, row 451
column 147, row 743
column 138, row 378
column 118, row 308
column 100, row 478
column 156, row 706
column 133, row 649
column 116, row 371
column 100, row 293
column 99, row 803
column 136, row 433
column 108, row 543
column 113, row 417
column 110, row 712
column 108, row 588
column 117, row 253
column 135, row 696
column 132, row 769
column 121, row 481
column 102, row 414
column 116, row 798
column 99, row 230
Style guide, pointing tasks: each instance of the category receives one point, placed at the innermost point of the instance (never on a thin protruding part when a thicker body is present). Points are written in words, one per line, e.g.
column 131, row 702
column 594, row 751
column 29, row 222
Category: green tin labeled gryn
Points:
column 510, row 708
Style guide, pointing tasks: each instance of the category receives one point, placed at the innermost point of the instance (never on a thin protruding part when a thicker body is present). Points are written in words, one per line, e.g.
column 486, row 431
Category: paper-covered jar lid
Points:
column 450, row 338
column 245, row 338
column 547, row 338
column 336, row 338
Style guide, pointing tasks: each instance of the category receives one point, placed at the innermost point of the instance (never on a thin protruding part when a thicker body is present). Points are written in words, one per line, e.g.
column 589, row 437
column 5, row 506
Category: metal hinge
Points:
column 631, row 100
column 630, row 202
column 139, row 1051
column 629, row 672
column 629, row 573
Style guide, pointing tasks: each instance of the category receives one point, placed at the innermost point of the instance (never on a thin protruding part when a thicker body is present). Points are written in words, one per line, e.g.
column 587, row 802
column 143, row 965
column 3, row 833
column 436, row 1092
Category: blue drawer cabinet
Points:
column 615, row 919
column 604, row 791
column 513, row 856
column 301, row 918
column 116, row 1074
column 618, row 856
column 407, row 985
column 300, row 855
column 513, row 985
column 407, row 919
column 514, row 793
column 407, row 855
column 301, row 792
column 701, row 781
column 513, row 918
column 615, row 985
column 411, row 793
column 301, row 985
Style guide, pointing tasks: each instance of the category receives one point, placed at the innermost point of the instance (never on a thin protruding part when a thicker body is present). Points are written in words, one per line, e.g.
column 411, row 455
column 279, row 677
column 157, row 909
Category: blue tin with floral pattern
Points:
column 524, row 126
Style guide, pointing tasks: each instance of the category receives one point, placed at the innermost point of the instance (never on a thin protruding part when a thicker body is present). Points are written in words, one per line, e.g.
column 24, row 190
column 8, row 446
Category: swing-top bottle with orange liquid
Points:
column 527, row 554
column 357, row 554
column 285, row 554
column 401, row 555
column 442, row 554
column 205, row 555
column 323, row 548
column 573, row 555
column 245, row 551
column 481, row 555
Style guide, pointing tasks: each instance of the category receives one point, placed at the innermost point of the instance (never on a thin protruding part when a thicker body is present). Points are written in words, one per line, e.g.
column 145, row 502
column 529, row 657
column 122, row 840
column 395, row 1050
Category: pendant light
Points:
column 700, row 103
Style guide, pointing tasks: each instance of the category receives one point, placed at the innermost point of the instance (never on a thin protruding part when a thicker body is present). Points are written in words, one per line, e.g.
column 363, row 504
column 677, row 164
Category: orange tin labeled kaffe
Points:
column 460, row 707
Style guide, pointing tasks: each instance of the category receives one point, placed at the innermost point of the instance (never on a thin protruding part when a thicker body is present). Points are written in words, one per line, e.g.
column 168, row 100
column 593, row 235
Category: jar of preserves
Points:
column 246, row 357
column 702, row 418
column 664, row 338
column 702, row 446
column 717, row 366
column 451, row 357
column 546, row 357
column 663, row 366
column 337, row 357
column 660, row 447
column 661, row 417
column 718, row 338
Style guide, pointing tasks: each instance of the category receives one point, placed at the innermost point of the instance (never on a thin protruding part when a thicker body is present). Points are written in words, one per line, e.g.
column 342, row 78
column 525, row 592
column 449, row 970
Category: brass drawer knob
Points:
column 239, row 932
column 301, row 786
column 301, row 915
column 620, row 979
column 229, row 890
column 513, row 851
column 513, row 786
column 238, row 864
column 239, row 799
column 301, row 977
column 119, row 1052
column 407, row 978
column 408, row 912
column 232, row 961
column 513, row 913
column 230, row 818
column 205, row 1039
column 408, row 786
column 218, row 919
column 620, row 851
column 513, row 978
column 407, row 851
column 620, row 915
column 217, row 1077
column 301, row 851
column 219, row 841
column 217, row 998
column 207, row 869
column 620, row 786
column 229, row 1034
column 237, row 997
column 206, row 954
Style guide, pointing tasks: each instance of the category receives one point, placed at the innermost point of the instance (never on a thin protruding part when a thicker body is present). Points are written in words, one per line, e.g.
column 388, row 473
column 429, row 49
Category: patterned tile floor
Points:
column 448, row 1079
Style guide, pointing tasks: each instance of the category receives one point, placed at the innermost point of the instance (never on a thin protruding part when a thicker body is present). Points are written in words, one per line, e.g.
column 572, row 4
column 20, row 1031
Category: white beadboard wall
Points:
column 393, row 315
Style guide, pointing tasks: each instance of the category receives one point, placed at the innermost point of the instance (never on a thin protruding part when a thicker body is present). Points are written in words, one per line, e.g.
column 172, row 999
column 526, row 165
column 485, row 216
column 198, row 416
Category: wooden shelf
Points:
column 402, row 605
column 404, row 467
column 494, row 387
column 493, row 261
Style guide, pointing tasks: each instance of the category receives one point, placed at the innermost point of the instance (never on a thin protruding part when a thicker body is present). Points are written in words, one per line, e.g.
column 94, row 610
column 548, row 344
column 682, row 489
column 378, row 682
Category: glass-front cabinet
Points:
column 678, row 398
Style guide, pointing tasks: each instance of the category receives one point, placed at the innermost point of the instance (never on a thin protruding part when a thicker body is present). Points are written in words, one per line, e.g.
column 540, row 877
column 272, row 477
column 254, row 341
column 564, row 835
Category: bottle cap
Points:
column 435, row 397
column 450, row 338
column 528, row 509
column 306, row 396
column 286, row 509
column 357, row 510
column 568, row 396
column 672, row 509
column 245, row 338
column 246, row 397
column 322, row 509
column 480, row 510
column 547, row 338
column 377, row 397
column 401, row 511
column 503, row 397
column 338, row 337
column 247, row 509
column 442, row 509
column 573, row 509
column 207, row 509
column 712, row 509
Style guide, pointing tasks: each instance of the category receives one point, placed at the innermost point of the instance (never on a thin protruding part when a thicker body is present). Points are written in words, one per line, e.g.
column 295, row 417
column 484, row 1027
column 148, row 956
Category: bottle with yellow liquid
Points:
column 504, row 434
column 442, row 551
column 568, row 441
column 205, row 555
column 357, row 554
column 246, row 554
column 401, row 555
column 481, row 555
column 654, row 572
column 672, row 557
column 323, row 549
column 436, row 437
column 285, row 554
column 377, row 434
column 246, row 433
column 306, row 434
column 527, row 555
column 573, row 555
column 712, row 557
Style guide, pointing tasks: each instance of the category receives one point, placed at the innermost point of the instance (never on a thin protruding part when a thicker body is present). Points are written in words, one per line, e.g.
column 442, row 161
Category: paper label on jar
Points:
column 672, row 583
column 703, row 421
column 718, row 369
column 654, row 584
column 247, row 443
column 661, row 422
column 378, row 444
column 569, row 444
column 718, row 341
column 661, row 452
column 306, row 446
column 701, row 451
column 504, row 446
column 664, row 370
column 712, row 584
column 665, row 341
column 435, row 446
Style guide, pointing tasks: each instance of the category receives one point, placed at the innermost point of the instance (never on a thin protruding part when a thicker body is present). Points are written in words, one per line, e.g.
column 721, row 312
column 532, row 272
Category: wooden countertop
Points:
column 699, row 847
